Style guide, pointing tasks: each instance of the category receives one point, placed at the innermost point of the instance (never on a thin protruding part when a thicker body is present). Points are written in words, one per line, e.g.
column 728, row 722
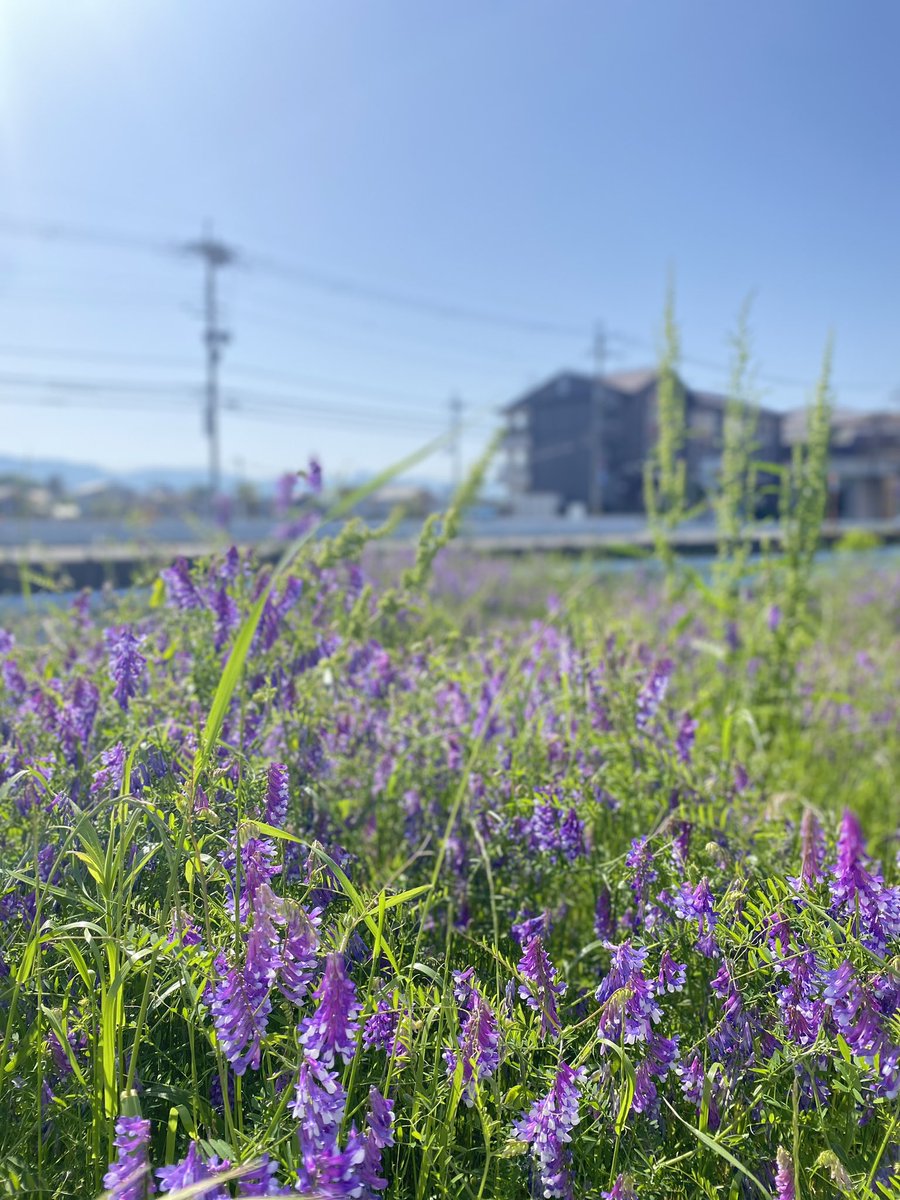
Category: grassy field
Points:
column 482, row 881
column 453, row 878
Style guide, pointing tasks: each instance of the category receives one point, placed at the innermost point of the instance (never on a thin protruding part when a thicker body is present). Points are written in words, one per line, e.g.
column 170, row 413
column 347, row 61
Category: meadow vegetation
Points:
column 460, row 878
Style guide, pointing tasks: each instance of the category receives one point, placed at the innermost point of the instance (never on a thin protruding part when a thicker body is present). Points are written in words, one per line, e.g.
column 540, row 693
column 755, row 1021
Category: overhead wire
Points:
column 347, row 287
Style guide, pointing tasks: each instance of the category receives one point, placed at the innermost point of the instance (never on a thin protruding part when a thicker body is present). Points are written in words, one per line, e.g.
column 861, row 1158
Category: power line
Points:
column 50, row 231
column 239, row 371
column 93, row 385
column 291, row 272
column 314, row 278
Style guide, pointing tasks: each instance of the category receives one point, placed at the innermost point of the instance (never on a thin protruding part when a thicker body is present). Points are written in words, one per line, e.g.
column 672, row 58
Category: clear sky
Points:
column 489, row 180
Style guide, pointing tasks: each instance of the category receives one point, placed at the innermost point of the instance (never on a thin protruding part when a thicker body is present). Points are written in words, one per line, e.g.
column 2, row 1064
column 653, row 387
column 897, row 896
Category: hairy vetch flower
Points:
column 812, row 849
column 542, row 987
column 672, row 975
column 180, row 586
column 129, row 1178
column 332, row 1028
column 113, row 770
column 652, row 694
column 621, row 1190
column 126, row 663
column 191, row 1170
column 784, row 1175
column 379, row 1135
column 684, row 740
column 240, row 1003
column 262, row 1180
column 381, row 1031
column 860, row 1023
column 332, row 1172
column 318, row 1106
column 277, row 795
column 226, row 612
column 479, row 1047
column 528, row 926
column 547, row 1130
column 697, row 904
column 604, row 925
column 860, row 893
column 298, row 953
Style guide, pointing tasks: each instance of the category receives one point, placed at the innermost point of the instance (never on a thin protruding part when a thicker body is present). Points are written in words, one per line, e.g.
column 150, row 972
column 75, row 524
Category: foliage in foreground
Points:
column 458, row 905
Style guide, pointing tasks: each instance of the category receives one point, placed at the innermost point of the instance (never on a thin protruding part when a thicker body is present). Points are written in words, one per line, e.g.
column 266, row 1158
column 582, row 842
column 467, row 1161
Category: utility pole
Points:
column 456, row 411
column 596, row 451
column 214, row 255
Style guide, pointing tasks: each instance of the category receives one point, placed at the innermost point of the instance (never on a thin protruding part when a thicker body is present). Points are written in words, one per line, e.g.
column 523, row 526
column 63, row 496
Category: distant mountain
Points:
column 74, row 474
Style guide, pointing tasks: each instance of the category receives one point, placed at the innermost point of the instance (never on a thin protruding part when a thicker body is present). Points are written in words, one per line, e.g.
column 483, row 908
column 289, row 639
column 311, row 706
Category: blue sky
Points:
column 518, row 160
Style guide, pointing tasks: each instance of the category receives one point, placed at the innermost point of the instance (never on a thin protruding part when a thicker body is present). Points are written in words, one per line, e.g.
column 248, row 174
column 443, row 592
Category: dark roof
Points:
column 627, row 383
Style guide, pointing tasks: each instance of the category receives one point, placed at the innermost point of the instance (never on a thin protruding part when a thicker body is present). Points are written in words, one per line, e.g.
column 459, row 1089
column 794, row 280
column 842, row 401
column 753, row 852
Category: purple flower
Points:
column 113, row 770
column 479, row 1043
column 240, row 1003
column 684, row 741
column 640, row 860
column 784, row 1176
column 314, row 476
column 850, row 875
column 318, row 1106
column 226, row 613
column 333, row 1026
column 774, row 618
column 604, row 925
column 298, row 954
column 128, row 1178
column 556, row 831
column 859, row 1022
column 277, row 795
column 528, row 927
column 812, row 852
column 284, row 492
column 191, row 1170
column 380, row 1031
column 262, row 1180
column 697, row 904
column 331, row 1172
column 860, row 893
column 126, row 663
column 542, row 987
column 182, row 591
column 652, row 694
column 547, row 1130
column 13, row 679
column 7, row 641
column 379, row 1135
column 630, row 1007
column 463, row 986
column 77, row 715
column 724, row 987
column 672, row 975
column 801, row 1009
column 621, row 1190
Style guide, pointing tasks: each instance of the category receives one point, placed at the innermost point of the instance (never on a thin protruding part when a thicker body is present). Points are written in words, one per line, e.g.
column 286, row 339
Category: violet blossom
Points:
column 542, row 986
column 547, row 1130
column 129, row 1178
column 479, row 1047
column 126, row 663
column 332, row 1028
